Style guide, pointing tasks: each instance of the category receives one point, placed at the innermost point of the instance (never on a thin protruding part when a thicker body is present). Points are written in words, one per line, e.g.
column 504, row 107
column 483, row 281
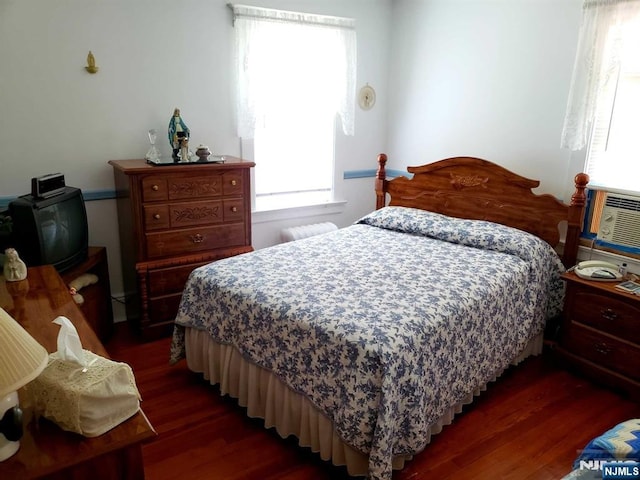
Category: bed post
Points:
column 381, row 182
column 576, row 217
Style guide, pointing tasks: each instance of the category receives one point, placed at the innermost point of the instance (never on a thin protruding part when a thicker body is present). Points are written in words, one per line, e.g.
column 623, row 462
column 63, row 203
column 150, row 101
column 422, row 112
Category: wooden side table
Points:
column 46, row 451
column 600, row 333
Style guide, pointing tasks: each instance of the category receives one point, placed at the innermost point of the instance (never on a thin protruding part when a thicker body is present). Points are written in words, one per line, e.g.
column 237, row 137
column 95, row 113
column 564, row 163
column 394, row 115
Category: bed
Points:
column 366, row 341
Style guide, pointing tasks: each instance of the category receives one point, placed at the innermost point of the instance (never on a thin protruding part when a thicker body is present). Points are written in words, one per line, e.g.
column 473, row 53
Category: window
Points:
column 604, row 101
column 613, row 158
column 296, row 77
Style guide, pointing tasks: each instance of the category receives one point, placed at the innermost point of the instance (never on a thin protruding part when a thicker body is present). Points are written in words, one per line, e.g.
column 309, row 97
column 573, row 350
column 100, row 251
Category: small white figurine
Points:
column 14, row 268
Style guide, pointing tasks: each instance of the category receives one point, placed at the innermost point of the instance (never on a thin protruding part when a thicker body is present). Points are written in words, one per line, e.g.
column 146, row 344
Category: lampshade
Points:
column 22, row 358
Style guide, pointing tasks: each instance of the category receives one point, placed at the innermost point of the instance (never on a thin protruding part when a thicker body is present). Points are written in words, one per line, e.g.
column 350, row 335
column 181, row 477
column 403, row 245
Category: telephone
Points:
column 598, row 270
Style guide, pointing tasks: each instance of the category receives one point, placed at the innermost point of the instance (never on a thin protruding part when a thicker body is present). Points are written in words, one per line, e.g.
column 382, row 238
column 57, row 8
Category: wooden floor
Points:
column 528, row 425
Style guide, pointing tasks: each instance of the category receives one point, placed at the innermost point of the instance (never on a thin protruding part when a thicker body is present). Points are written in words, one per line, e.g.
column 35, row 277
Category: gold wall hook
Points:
column 91, row 64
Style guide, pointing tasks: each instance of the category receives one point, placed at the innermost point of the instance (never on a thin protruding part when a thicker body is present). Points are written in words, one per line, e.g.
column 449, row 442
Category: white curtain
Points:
column 307, row 57
column 597, row 64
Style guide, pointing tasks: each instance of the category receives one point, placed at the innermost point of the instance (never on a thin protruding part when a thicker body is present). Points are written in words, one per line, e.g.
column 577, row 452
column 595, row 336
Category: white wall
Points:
column 153, row 55
column 484, row 78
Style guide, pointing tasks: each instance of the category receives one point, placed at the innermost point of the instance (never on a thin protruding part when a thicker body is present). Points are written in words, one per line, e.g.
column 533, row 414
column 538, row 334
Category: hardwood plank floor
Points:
column 527, row 425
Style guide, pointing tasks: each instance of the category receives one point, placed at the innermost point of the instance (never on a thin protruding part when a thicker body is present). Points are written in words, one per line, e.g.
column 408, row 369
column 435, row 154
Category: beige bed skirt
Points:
column 266, row 397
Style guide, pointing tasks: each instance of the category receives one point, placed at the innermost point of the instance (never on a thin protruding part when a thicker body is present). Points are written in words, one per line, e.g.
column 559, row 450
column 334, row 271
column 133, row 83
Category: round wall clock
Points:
column 367, row 97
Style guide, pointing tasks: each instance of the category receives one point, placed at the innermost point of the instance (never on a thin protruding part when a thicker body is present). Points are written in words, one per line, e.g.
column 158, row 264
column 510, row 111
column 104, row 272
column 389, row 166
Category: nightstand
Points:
column 600, row 333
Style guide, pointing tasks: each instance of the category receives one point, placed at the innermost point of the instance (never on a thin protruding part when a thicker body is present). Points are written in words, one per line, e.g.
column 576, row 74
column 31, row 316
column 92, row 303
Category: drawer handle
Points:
column 155, row 188
column 609, row 314
column 234, row 209
column 197, row 238
column 602, row 348
column 156, row 216
column 234, row 182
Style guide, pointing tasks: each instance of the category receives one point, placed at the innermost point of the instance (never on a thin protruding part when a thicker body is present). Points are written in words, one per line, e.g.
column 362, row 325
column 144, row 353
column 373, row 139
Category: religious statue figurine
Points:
column 14, row 268
column 178, row 134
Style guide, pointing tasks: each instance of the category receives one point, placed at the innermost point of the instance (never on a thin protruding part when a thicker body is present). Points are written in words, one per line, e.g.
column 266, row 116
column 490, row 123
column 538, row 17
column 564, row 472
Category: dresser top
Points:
column 139, row 165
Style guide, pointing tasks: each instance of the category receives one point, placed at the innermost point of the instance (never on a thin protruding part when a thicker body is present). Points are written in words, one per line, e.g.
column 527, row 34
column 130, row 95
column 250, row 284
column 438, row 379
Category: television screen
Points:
column 51, row 230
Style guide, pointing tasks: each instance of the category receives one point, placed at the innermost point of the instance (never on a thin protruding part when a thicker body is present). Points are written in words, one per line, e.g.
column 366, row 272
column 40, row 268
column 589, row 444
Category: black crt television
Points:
column 50, row 231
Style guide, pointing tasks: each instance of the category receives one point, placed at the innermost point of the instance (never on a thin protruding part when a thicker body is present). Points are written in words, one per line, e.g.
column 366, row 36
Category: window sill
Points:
column 632, row 193
column 266, row 214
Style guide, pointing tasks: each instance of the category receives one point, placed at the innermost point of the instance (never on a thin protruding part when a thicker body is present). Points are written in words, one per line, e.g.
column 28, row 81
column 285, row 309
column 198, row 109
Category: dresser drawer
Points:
column 610, row 314
column 156, row 217
column 190, row 240
column 164, row 308
column 182, row 215
column 163, row 281
column 603, row 350
column 154, row 189
column 233, row 210
column 195, row 187
column 232, row 183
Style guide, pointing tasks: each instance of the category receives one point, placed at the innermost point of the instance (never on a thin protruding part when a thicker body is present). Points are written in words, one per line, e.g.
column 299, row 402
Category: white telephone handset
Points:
column 598, row 270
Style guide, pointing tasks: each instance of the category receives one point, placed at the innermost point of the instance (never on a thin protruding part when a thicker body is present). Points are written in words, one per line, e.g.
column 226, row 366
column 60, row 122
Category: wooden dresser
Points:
column 172, row 219
column 600, row 333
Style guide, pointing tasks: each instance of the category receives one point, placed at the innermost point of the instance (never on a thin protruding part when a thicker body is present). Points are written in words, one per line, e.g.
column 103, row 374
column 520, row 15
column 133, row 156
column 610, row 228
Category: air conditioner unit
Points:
column 620, row 221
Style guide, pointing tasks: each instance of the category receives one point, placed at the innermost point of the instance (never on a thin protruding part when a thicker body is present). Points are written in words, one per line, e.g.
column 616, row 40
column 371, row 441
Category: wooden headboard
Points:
column 469, row 187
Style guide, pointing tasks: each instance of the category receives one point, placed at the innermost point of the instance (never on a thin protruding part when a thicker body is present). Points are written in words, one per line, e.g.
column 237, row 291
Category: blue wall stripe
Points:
column 371, row 173
column 88, row 197
column 99, row 195
column 91, row 195
column 349, row 174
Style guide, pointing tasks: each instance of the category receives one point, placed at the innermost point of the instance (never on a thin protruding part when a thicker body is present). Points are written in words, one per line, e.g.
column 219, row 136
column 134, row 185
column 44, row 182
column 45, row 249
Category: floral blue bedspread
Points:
column 384, row 324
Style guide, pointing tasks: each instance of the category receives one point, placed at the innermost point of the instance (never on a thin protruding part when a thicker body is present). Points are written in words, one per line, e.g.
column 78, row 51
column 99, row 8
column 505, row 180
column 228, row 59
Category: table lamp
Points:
column 22, row 359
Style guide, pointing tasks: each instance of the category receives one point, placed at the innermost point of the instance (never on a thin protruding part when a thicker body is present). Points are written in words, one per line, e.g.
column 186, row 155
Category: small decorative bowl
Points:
column 203, row 153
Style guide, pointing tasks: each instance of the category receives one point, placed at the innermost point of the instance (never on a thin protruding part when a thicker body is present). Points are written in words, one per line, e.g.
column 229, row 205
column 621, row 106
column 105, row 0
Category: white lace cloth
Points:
column 89, row 401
